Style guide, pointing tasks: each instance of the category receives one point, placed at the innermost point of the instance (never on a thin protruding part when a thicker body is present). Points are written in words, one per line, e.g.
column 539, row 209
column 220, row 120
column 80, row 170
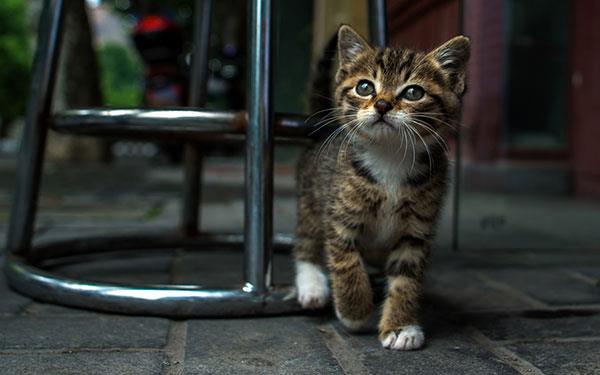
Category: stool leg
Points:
column 33, row 141
column 193, row 154
column 378, row 22
column 258, row 224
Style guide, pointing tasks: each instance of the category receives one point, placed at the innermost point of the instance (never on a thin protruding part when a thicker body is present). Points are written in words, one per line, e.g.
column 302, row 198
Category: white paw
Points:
column 353, row 325
column 410, row 338
column 311, row 283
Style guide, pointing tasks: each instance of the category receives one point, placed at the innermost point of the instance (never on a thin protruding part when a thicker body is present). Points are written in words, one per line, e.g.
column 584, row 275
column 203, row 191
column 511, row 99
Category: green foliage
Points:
column 14, row 59
column 121, row 76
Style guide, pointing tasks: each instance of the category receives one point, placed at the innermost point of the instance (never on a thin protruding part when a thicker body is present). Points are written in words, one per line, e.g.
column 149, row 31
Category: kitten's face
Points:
column 397, row 95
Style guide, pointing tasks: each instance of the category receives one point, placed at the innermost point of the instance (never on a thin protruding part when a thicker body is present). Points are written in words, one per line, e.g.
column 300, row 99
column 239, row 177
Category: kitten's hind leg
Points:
column 311, row 281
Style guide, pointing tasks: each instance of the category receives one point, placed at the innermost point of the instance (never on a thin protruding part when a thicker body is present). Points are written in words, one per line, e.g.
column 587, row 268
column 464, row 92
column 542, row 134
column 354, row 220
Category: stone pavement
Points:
column 484, row 312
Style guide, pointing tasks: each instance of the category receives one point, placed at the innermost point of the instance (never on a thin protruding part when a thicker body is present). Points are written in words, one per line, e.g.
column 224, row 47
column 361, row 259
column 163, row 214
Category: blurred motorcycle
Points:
column 159, row 42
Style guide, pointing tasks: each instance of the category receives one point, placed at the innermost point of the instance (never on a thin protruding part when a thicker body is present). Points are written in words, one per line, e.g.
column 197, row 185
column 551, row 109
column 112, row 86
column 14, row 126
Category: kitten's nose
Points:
column 382, row 106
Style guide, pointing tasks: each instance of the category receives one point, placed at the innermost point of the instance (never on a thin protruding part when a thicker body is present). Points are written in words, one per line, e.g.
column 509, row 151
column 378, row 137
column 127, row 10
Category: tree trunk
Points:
column 78, row 85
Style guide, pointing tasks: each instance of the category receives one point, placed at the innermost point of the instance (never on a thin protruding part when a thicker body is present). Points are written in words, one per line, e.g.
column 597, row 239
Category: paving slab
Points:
column 283, row 345
column 460, row 290
column 69, row 332
column 10, row 301
column 41, row 309
column 548, row 285
column 447, row 351
column 550, row 259
column 562, row 358
column 590, row 274
column 539, row 325
column 89, row 363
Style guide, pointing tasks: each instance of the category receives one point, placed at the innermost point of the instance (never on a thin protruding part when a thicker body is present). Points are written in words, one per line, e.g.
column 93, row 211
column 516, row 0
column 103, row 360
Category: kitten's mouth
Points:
column 383, row 122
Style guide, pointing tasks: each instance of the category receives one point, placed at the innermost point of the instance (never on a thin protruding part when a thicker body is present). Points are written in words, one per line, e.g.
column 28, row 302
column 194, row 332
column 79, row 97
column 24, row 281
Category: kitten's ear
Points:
column 350, row 44
column 453, row 57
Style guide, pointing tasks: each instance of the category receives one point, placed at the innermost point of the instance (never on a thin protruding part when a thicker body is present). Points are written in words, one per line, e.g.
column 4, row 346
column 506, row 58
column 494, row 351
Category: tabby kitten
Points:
column 371, row 192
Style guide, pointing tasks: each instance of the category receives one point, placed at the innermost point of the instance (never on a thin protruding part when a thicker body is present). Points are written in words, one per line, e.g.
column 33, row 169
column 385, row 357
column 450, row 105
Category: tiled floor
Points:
column 479, row 319
column 499, row 312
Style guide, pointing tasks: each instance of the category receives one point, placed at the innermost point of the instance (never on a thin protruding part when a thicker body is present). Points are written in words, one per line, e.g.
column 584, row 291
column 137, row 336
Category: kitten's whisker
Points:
column 435, row 134
column 348, row 138
column 316, row 94
column 330, row 112
column 327, row 140
column 439, row 117
column 329, row 121
column 326, row 121
column 342, row 150
column 414, row 152
column 332, row 109
column 424, row 144
column 396, row 150
column 332, row 115
column 332, row 137
column 352, row 135
column 405, row 139
column 431, row 116
column 335, row 114
column 440, row 140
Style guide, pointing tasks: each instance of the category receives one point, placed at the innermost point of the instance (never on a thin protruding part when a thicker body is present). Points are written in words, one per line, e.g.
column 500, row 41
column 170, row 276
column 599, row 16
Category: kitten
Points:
column 371, row 192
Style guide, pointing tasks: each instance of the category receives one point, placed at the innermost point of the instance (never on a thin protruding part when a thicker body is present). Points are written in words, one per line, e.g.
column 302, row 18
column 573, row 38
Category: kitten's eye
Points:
column 365, row 88
column 413, row 93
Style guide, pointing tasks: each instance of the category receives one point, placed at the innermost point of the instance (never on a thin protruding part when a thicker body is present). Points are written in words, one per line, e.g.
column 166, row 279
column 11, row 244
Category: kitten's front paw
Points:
column 313, row 296
column 360, row 325
column 311, row 285
column 409, row 338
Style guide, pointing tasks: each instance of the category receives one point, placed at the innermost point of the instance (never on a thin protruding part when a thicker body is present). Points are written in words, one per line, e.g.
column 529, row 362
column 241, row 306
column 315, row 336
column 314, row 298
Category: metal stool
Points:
column 25, row 263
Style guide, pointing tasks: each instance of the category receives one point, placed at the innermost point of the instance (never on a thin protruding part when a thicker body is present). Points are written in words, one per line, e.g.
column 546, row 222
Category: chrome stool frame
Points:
column 26, row 265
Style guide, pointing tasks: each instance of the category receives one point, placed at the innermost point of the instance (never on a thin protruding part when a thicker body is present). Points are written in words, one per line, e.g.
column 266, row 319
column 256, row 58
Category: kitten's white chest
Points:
column 391, row 173
column 383, row 230
column 391, row 169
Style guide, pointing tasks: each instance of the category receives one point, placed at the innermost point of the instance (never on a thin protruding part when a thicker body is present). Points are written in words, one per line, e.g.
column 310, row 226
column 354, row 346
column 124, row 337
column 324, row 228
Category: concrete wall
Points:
column 585, row 96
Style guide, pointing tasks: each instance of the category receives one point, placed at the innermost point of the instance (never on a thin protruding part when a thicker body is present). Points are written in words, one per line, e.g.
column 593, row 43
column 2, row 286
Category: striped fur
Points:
column 371, row 192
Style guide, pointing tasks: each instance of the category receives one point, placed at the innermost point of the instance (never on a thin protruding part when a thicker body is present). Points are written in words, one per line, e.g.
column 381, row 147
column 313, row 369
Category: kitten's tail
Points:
column 320, row 95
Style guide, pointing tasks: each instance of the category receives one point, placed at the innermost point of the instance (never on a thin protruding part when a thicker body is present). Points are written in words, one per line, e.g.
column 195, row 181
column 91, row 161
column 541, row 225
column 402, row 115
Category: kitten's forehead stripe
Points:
column 393, row 67
column 428, row 71
column 415, row 63
column 379, row 62
column 409, row 57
